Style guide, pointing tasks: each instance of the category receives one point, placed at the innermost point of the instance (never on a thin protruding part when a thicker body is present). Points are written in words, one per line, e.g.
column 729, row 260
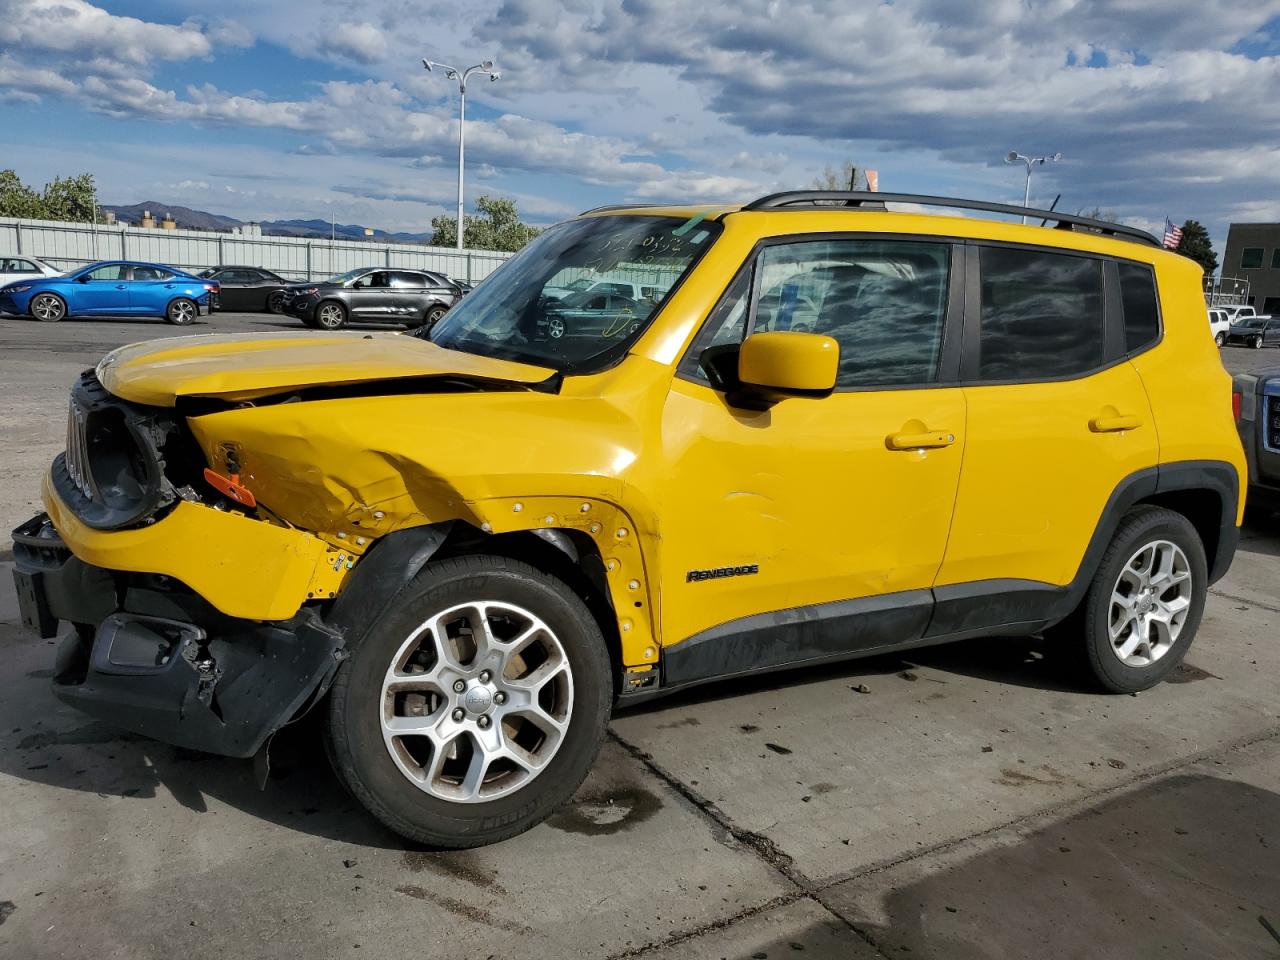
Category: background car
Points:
column 113, row 288
column 1255, row 332
column 24, row 268
column 1219, row 325
column 416, row 298
column 1238, row 311
column 593, row 313
column 248, row 288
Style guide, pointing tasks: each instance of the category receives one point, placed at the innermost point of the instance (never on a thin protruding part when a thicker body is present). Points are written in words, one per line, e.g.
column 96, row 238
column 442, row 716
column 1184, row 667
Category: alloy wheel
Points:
column 182, row 312
column 555, row 326
column 330, row 316
column 476, row 701
column 1149, row 603
column 47, row 307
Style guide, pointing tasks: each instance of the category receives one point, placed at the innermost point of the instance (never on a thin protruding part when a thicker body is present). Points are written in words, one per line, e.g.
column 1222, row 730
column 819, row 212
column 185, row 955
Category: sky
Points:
column 320, row 108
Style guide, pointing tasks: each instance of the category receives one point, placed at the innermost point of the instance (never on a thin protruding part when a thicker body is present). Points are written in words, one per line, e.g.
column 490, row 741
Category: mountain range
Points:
column 189, row 219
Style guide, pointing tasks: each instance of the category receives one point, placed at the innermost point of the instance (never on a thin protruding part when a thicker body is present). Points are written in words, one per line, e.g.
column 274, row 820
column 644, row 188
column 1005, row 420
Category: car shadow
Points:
column 1183, row 866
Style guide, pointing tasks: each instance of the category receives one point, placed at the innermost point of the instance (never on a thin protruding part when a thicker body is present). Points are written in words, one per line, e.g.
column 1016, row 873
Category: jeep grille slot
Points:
column 1271, row 432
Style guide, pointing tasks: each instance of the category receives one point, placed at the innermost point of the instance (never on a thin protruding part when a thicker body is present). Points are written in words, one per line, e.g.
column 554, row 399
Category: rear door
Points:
column 151, row 289
column 1058, row 419
column 411, row 294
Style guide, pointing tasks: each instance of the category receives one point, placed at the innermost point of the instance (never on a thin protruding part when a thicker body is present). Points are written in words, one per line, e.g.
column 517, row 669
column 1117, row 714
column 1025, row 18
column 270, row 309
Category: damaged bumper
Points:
column 151, row 655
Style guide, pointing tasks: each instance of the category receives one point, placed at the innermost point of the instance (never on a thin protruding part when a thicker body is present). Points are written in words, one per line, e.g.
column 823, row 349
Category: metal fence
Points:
column 69, row 245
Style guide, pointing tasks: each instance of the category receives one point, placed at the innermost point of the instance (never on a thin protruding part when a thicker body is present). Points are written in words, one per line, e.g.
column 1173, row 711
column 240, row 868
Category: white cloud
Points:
column 74, row 27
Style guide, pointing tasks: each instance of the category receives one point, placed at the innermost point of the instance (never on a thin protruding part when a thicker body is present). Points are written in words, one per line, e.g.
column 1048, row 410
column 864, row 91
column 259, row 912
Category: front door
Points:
column 815, row 528
column 104, row 289
column 372, row 297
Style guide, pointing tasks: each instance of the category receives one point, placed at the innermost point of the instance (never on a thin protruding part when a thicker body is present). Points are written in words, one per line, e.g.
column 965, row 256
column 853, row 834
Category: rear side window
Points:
column 1141, row 309
column 1041, row 315
column 408, row 280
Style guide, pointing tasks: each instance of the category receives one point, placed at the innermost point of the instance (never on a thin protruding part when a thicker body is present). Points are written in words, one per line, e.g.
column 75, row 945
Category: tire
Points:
column 275, row 301
column 1256, row 343
column 330, row 315
column 182, row 312
column 433, row 316
column 444, row 808
column 48, row 307
column 1220, row 339
column 1120, row 572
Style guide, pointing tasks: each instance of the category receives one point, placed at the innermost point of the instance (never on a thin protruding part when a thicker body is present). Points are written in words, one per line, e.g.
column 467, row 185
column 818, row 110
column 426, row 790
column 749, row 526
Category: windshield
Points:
column 521, row 312
column 349, row 275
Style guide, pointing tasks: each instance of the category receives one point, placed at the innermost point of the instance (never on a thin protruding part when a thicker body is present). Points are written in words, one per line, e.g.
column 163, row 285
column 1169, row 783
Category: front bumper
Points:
column 150, row 655
column 243, row 567
column 303, row 308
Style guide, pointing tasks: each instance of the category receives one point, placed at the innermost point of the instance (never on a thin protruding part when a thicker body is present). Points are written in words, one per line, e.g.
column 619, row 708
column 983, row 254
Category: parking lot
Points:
column 958, row 802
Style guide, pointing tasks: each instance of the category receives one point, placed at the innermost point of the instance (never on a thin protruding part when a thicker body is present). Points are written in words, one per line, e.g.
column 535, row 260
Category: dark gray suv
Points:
column 412, row 297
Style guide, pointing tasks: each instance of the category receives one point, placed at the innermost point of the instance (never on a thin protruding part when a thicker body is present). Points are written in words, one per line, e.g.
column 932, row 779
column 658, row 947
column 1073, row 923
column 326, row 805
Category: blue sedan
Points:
column 113, row 288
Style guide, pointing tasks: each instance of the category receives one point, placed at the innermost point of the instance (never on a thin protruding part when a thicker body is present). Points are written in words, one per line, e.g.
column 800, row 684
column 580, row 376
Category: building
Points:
column 1253, row 254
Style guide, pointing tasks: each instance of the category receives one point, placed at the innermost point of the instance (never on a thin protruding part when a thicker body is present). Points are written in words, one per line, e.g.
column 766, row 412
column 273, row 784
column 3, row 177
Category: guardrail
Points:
column 70, row 245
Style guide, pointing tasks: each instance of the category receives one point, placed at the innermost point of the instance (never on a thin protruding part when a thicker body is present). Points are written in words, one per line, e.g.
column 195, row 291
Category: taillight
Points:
column 1236, row 400
column 211, row 287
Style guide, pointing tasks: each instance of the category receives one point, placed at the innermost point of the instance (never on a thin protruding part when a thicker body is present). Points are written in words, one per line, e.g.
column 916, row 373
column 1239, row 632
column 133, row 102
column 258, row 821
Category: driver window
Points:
column 883, row 302
column 111, row 271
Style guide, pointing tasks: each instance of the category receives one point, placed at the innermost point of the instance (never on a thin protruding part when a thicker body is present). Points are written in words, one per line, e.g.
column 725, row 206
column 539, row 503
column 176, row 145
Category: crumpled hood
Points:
column 247, row 366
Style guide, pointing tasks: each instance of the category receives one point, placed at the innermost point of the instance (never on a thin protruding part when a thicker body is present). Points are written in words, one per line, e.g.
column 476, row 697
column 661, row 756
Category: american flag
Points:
column 1172, row 234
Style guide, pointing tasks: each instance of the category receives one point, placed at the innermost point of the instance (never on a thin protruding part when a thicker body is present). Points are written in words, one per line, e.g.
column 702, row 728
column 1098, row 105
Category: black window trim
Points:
column 1114, row 351
column 949, row 353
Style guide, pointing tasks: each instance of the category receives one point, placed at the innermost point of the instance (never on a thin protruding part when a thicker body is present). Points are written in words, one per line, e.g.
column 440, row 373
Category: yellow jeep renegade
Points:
column 659, row 446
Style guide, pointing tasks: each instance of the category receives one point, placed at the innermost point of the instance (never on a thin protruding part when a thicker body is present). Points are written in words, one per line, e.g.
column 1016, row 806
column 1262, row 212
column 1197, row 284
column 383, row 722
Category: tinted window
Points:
column 1041, row 315
column 151, row 273
column 1141, row 310
column 415, row 280
column 110, row 271
column 237, row 276
column 1250, row 258
column 1275, row 259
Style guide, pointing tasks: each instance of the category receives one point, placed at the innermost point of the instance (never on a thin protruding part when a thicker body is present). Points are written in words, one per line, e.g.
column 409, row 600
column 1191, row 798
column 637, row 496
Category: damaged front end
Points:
column 150, row 655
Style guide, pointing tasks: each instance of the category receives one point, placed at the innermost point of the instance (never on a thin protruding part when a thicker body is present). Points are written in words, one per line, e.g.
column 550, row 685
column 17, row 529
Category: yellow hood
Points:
column 246, row 366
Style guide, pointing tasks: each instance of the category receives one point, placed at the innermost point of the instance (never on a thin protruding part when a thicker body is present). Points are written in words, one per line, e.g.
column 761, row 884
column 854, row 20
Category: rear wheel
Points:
column 182, row 312
column 275, row 301
column 331, row 315
column 48, row 307
column 1256, row 343
column 471, row 710
column 1220, row 339
column 434, row 315
column 1143, row 608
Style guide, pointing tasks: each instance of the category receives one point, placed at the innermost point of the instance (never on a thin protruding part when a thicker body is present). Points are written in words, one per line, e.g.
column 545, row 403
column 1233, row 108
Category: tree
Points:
column 500, row 227
column 1195, row 245
column 69, row 198
column 848, row 177
column 17, row 199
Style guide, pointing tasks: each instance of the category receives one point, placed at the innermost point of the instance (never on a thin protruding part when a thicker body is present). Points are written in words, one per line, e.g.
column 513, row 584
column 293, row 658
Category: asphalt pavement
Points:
column 967, row 801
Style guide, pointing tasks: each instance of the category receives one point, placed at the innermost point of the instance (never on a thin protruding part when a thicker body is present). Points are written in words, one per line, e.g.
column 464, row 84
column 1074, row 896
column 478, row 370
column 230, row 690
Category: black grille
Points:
column 1271, row 434
column 112, row 474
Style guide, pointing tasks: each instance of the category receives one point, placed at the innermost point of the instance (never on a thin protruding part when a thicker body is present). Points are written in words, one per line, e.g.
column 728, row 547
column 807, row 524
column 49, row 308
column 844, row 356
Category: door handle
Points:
column 1114, row 424
column 121, row 286
column 919, row 441
column 168, row 286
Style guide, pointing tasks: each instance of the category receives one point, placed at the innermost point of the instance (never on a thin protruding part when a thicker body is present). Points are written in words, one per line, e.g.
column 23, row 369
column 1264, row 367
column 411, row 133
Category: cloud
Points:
column 76, row 28
column 361, row 42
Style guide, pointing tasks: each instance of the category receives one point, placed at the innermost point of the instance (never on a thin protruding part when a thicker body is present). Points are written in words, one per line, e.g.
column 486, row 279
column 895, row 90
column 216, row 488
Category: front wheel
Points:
column 48, row 307
column 1143, row 608
column 182, row 312
column 1256, row 343
column 1220, row 339
column 331, row 315
column 475, row 707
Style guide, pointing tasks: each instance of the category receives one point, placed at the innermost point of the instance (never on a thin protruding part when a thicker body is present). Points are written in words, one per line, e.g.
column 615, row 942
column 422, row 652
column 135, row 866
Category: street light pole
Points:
column 485, row 67
column 1014, row 157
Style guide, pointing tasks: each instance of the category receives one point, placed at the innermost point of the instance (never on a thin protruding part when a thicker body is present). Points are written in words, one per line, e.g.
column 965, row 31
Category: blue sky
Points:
column 307, row 109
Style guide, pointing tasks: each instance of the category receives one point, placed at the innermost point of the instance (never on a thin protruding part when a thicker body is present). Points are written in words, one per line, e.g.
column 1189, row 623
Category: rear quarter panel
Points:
column 1189, row 389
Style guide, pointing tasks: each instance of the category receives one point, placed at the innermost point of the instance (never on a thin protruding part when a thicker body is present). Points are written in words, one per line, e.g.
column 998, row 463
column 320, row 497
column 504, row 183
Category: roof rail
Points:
column 868, row 199
column 617, row 206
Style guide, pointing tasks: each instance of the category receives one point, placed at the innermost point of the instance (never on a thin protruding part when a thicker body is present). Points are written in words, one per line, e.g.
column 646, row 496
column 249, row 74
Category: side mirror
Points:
column 773, row 366
column 83, row 278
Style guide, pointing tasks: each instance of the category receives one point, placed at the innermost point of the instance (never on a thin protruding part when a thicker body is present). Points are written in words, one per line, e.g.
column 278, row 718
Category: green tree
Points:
column 64, row 198
column 497, row 227
column 71, row 198
column 1195, row 244
column 17, row 199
